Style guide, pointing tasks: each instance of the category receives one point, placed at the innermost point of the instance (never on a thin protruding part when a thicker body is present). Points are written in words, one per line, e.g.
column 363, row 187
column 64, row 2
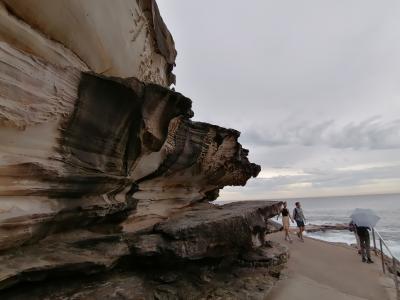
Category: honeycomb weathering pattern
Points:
column 101, row 162
column 77, row 145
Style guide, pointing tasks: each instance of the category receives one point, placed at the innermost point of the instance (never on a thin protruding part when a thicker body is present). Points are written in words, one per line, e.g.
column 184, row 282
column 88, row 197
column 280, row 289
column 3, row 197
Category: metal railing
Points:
column 391, row 259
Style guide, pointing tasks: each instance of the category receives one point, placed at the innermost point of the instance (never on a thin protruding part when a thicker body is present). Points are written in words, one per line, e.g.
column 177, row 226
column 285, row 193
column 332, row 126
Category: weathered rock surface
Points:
column 196, row 246
column 105, row 180
column 124, row 38
column 273, row 226
column 80, row 147
column 192, row 282
column 207, row 231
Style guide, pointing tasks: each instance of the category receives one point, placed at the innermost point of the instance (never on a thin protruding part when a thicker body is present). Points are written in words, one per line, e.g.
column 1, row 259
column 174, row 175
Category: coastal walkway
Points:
column 322, row 270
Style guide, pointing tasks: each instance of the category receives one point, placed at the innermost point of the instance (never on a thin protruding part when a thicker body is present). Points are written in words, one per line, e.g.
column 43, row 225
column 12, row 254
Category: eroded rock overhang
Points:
column 78, row 147
column 102, row 170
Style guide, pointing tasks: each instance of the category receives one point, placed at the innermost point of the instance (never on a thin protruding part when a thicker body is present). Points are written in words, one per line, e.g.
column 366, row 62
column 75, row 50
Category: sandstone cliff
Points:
column 102, row 170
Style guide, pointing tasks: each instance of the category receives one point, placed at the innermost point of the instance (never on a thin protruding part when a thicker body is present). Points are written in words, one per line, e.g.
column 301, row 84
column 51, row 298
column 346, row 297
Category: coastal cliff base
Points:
column 204, row 251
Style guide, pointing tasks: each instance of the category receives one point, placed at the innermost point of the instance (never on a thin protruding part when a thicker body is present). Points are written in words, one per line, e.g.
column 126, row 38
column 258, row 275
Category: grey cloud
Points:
column 327, row 178
column 299, row 79
column 372, row 133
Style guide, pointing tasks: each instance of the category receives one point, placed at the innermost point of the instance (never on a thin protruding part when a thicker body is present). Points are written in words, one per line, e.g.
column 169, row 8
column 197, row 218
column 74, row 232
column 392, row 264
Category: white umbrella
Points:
column 364, row 217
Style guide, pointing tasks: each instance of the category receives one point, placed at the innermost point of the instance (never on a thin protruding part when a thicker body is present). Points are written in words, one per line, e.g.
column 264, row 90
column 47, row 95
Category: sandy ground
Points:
column 321, row 270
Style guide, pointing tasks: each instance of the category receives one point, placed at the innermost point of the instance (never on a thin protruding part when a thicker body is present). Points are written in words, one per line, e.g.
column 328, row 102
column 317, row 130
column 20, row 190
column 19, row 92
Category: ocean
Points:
column 333, row 210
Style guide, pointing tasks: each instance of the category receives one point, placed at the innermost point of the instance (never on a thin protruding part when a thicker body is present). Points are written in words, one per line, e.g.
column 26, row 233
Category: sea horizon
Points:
column 330, row 210
column 308, row 197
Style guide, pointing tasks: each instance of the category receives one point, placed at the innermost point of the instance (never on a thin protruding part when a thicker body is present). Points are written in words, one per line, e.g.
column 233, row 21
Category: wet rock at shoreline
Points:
column 326, row 227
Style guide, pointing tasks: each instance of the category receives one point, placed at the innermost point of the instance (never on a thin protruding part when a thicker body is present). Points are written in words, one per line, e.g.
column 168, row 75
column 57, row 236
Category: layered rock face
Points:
column 101, row 166
column 124, row 38
column 202, row 252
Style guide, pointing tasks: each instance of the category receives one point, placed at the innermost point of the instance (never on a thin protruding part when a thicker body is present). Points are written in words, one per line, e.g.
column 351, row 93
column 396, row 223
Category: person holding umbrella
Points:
column 363, row 234
column 364, row 220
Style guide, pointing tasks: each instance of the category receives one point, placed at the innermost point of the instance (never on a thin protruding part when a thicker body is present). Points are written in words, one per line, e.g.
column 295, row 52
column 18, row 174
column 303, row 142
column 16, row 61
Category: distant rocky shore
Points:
column 311, row 227
column 326, row 227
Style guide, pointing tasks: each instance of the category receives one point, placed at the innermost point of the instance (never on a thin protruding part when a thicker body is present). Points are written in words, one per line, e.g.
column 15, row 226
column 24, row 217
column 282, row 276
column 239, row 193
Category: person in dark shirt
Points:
column 363, row 234
column 285, row 221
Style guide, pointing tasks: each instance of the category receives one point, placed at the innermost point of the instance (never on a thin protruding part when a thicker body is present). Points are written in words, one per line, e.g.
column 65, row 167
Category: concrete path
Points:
column 321, row 270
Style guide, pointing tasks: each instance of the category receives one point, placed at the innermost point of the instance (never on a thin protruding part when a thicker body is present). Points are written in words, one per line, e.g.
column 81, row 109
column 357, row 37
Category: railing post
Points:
column 373, row 238
column 382, row 257
column 396, row 279
column 395, row 263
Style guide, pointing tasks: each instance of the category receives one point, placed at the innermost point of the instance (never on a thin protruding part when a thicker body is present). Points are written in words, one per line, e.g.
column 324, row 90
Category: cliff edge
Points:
column 105, row 180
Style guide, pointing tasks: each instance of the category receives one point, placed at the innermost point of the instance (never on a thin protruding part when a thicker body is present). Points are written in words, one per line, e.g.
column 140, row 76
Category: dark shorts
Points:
column 300, row 223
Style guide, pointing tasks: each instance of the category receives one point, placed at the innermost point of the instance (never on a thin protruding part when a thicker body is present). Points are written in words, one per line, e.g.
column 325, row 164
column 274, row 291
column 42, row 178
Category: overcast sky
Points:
column 314, row 87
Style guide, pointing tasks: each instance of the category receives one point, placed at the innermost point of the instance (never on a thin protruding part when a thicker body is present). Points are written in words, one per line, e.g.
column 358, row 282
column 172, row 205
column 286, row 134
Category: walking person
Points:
column 298, row 216
column 285, row 221
column 364, row 219
column 363, row 235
